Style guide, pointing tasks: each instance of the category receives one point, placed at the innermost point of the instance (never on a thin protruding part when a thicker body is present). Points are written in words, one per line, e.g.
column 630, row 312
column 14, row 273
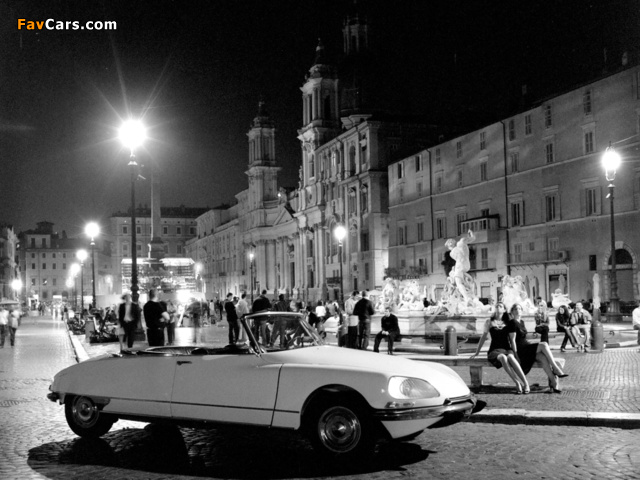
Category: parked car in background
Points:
column 343, row 400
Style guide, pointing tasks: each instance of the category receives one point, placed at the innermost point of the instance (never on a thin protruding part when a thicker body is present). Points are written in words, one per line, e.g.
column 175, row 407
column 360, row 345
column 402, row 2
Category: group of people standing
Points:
column 9, row 323
column 510, row 349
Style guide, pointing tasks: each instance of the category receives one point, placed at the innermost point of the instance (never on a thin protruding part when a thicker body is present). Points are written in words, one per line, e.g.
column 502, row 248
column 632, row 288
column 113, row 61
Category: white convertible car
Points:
column 344, row 400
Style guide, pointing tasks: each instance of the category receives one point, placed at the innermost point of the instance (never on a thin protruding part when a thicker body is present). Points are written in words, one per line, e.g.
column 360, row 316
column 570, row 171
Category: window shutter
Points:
column 583, row 202
column 599, row 200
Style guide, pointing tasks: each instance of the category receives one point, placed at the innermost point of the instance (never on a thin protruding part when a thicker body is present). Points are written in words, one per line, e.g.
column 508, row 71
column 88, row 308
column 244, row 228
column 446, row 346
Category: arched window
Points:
column 622, row 257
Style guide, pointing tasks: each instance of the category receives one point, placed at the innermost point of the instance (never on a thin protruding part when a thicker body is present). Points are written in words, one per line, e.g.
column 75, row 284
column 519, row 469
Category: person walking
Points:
column 279, row 323
column 195, row 312
column 390, row 331
column 14, row 323
column 232, row 319
column 364, row 310
column 128, row 318
column 527, row 353
column 352, row 320
column 261, row 304
column 155, row 317
column 4, row 325
column 500, row 353
column 171, row 324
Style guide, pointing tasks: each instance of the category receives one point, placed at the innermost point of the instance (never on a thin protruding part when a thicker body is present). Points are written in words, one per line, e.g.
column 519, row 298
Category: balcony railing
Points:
column 482, row 264
column 528, row 258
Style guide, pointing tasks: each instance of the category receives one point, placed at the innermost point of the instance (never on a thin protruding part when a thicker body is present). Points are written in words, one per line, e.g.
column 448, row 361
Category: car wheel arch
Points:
column 333, row 391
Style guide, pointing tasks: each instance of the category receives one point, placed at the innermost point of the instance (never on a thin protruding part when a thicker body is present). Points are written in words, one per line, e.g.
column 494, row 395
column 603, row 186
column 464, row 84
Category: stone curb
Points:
column 540, row 417
column 78, row 348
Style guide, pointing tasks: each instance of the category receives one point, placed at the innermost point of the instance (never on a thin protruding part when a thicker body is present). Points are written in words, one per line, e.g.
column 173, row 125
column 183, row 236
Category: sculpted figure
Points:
column 459, row 251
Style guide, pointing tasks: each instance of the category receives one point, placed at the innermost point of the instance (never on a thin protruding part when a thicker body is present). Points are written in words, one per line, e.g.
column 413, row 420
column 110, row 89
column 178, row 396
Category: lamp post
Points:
column 16, row 285
column 611, row 162
column 132, row 134
column 340, row 233
column 73, row 272
column 92, row 230
column 251, row 255
column 82, row 256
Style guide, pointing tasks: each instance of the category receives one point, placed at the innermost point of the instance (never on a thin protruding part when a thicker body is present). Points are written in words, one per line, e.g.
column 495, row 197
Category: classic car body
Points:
column 343, row 399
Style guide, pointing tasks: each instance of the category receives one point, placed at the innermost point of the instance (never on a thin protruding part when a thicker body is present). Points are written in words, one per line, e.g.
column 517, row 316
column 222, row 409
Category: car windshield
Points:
column 271, row 331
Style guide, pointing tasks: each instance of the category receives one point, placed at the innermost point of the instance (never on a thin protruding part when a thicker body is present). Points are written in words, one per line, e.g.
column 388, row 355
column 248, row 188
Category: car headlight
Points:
column 405, row 387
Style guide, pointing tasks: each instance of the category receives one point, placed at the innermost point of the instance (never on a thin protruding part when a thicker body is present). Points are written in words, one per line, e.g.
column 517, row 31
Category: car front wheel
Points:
column 340, row 428
column 85, row 419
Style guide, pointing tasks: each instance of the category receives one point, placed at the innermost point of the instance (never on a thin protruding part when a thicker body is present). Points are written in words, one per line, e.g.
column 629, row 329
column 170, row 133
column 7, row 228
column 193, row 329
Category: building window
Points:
column 53, row 266
column 64, row 266
column 588, row 143
column 483, row 171
column 53, row 255
column 460, row 217
column 484, row 212
column 401, row 193
column 527, row 125
column 139, row 248
column 591, row 197
column 551, row 204
column 517, row 214
column 44, row 266
column 586, row 102
column 54, row 282
column 44, row 255
column 165, row 230
column 439, row 183
column 400, row 170
column 44, row 243
column 33, row 282
column 364, row 241
column 192, row 230
column 513, row 161
column 33, row 266
column 553, row 244
column 138, row 229
column 548, row 119
column 418, row 163
column 458, row 149
column 441, row 227
column 548, row 151
column 517, row 252
column 125, row 230
column 421, row 231
column 402, row 235
column 125, row 249
column 460, row 179
column 64, row 255
column 179, row 250
column 438, row 158
column 512, row 130
column 366, row 272
column 33, row 255
column 483, row 140
column 178, row 230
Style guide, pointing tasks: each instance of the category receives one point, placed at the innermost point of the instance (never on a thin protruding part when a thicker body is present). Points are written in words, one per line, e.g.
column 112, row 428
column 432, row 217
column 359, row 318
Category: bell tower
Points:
column 263, row 171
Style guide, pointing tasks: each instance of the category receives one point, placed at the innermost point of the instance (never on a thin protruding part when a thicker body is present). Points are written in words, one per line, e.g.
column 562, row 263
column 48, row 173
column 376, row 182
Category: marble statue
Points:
column 459, row 276
column 514, row 291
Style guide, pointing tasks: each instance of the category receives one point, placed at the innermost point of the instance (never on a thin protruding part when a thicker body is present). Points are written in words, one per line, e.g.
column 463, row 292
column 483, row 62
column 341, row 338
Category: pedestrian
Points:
column 500, row 353
column 564, row 325
column 342, row 323
column 541, row 318
column 4, row 325
column 363, row 310
column 635, row 320
column 261, row 304
column 390, row 331
column 582, row 320
column 155, row 317
column 242, row 310
column 171, row 324
column 128, row 317
column 195, row 312
column 527, row 353
column 279, row 323
column 352, row 320
column 14, row 323
column 232, row 319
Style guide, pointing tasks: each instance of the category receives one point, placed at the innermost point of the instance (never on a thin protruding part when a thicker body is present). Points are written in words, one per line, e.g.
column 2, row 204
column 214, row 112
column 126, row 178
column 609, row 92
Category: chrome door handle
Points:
column 182, row 362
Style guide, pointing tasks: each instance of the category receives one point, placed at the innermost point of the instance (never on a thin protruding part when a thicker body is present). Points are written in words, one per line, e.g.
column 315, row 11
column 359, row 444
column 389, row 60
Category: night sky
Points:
column 196, row 70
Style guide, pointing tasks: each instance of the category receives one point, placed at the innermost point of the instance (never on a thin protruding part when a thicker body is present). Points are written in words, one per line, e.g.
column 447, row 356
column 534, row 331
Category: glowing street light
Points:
column 132, row 134
column 93, row 230
column 16, row 285
column 340, row 233
column 611, row 162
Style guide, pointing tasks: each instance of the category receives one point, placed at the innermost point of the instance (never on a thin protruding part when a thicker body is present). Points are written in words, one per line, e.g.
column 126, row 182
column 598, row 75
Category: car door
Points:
column 225, row 388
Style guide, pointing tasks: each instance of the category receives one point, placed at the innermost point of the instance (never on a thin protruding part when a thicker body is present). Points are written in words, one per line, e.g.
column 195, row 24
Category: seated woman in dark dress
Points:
column 500, row 352
column 527, row 353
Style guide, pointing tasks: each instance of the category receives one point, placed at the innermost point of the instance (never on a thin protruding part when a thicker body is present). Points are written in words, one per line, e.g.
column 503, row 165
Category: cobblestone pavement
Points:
column 35, row 441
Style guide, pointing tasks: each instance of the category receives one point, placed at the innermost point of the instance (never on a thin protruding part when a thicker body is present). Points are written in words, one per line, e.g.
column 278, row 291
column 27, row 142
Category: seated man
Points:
column 582, row 319
column 390, row 331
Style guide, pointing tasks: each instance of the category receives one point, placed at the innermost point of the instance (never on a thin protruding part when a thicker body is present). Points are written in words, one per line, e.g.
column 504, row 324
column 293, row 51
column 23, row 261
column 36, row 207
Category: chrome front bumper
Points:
column 456, row 410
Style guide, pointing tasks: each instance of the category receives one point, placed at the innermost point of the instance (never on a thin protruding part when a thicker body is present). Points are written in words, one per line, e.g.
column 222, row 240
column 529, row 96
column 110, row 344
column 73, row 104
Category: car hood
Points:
column 389, row 365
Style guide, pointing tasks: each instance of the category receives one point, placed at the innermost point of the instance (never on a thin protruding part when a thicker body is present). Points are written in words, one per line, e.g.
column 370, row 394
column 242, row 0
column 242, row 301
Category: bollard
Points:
column 597, row 332
column 450, row 341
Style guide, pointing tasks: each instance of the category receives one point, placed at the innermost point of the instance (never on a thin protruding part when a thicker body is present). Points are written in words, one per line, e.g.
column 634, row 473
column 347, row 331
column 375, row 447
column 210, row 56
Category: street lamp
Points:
column 251, row 255
column 73, row 272
column 611, row 162
column 132, row 134
column 340, row 233
column 16, row 285
column 82, row 256
column 92, row 230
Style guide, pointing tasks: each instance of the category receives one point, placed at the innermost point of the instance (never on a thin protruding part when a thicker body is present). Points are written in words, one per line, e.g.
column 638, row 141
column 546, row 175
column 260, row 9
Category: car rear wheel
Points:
column 340, row 428
column 85, row 419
